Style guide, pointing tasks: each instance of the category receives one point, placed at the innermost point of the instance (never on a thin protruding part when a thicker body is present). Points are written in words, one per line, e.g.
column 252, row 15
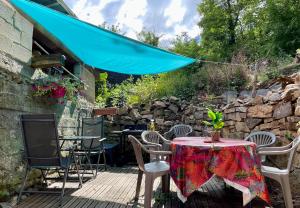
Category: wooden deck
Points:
column 115, row 188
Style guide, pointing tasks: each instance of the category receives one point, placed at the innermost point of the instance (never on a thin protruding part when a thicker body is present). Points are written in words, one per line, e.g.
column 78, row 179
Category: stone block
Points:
column 9, row 31
column 241, row 127
column 21, row 53
column 159, row 104
column 134, row 114
column 26, row 40
column 159, row 121
column 6, row 44
column 198, row 115
column 282, row 110
column 257, row 100
column 6, row 12
column 241, row 109
column 148, row 117
column 260, row 111
column 22, row 24
column 297, row 111
column 252, row 122
column 229, row 110
column 272, row 97
column 173, row 108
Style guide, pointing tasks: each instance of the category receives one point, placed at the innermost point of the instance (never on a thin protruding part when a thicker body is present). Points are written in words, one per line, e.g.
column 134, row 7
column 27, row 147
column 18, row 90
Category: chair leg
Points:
column 138, row 185
column 23, row 184
column 97, row 165
column 286, row 189
column 148, row 191
column 77, row 170
column 63, row 186
column 104, row 160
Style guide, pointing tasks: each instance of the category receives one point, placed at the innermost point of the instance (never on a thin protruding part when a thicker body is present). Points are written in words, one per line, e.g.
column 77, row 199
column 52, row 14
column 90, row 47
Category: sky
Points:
column 166, row 18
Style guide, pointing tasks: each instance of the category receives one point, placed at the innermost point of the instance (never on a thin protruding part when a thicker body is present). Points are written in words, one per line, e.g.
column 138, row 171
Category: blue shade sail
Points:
column 100, row 48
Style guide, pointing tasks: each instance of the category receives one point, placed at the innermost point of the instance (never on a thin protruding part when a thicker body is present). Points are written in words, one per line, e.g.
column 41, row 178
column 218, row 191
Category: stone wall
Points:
column 16, row 96
column 277, row 111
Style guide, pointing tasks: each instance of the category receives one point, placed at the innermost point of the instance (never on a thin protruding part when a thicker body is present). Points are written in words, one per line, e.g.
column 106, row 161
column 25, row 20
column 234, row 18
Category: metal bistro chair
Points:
column 151, row 170
column 261, row 139
column 156, row 139
column 42, row 150
column 180, row 130
column 281, row 175
column 90, row 147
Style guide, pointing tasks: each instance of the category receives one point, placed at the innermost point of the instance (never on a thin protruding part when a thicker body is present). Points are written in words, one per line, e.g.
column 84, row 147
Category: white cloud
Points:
column 89, row 12
column 134, row 15
column 175, row 12
column 130, row 16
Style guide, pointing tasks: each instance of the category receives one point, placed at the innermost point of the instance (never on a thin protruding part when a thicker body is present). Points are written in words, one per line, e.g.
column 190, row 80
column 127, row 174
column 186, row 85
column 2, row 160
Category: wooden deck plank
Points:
column 115, row 188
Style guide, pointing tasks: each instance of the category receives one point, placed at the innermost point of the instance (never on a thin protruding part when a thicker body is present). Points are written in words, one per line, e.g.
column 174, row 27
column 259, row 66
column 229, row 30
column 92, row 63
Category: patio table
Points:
column 76, row 140
column 195, row 160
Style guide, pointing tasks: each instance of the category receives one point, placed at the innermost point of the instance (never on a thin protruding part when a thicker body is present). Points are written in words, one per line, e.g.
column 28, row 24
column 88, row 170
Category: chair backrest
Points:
column 261, row 138
column 151, row 137
column 294, row 144
column 92, row 127
column 41, row 140
column 137, row 147
column 182, row 130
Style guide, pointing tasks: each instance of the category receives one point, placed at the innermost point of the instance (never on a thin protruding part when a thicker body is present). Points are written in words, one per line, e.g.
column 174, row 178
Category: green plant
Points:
column 288, row 135
column 216, row 119
column 56, row 87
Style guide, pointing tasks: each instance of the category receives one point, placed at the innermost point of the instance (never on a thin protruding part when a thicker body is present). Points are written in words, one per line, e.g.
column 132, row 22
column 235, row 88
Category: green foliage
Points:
column 102, row 93
column 148, row 37
column 186, row 46
column 216, row 119
column 215, row 79
column 261, row 28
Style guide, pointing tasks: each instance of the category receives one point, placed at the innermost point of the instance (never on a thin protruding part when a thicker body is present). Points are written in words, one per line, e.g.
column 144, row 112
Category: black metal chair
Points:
column 42, row 150
column 90, row 147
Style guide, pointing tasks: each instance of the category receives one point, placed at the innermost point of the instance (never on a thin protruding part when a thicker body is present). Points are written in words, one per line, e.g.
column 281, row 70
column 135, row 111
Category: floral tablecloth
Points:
column 194, row 161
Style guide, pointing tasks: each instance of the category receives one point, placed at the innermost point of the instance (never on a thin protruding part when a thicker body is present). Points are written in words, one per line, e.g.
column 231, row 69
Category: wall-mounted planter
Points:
column 105, row 111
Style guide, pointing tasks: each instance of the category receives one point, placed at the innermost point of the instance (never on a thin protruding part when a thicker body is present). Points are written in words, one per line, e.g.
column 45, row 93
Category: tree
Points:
column 187, row 46
column 148, row 37
column 219, row 22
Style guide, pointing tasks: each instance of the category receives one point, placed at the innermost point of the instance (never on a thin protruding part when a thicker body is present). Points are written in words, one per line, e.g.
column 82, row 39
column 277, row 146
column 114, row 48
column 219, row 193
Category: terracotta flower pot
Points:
column 215, row 136
column 105, row 111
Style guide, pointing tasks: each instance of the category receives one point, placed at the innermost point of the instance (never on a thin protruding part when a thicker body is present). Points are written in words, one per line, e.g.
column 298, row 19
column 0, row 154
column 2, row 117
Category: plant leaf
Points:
column 207, row 123
column 219, row 125
column 211, row 114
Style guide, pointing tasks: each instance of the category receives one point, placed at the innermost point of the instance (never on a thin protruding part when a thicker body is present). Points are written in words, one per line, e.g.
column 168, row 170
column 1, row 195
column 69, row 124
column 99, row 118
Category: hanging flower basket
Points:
column 56, row 90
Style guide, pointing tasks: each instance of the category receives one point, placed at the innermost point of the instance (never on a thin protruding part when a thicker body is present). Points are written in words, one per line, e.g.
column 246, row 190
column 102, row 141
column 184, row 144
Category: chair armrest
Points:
column 102, row 139
column 151, row 144
column 280, row 152
column 274, row 148
column 160, row 152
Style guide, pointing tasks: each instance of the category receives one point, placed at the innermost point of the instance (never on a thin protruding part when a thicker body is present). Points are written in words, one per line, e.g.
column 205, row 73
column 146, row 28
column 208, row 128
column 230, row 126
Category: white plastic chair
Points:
column 157, row 140
column 179, row 130
column 151, row 170
column 261, row 139
column 281, row 175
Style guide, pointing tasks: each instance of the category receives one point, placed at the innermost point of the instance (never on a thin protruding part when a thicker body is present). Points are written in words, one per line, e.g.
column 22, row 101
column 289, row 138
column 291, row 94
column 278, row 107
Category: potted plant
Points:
column 216, row 123
column 59, row 89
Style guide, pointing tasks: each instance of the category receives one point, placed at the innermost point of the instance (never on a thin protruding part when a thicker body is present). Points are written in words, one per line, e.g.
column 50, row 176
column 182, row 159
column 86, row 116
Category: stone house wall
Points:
column 16, row 96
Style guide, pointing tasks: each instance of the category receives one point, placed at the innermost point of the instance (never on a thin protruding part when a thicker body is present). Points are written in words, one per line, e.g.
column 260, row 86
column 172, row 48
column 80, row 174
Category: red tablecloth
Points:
column 194, row 162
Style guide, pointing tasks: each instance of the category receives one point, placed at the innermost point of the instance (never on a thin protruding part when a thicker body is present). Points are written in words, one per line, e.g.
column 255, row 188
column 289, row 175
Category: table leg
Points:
column 165, row 180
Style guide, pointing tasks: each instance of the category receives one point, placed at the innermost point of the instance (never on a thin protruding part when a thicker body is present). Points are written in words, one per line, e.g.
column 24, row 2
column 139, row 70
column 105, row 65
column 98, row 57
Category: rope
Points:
column 224, row 63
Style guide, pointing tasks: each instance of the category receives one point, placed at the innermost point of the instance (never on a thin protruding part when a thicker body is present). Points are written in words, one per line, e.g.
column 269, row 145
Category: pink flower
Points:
column 57, row 91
